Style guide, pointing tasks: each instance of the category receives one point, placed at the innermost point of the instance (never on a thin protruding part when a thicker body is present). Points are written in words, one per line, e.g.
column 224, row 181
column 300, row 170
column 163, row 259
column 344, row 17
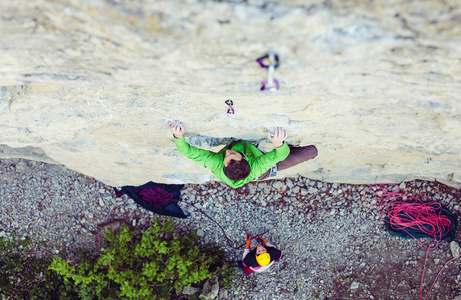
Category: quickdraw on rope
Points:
column 270, row 62
column 230, row 109
column 402, row 212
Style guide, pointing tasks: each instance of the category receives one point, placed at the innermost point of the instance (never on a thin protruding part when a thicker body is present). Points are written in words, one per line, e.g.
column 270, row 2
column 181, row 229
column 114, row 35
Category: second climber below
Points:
column 241, row 162
column 261, row 258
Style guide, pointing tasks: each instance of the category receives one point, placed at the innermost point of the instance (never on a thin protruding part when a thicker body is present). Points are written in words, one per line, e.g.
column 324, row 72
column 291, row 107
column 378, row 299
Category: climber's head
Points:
column 236, row 167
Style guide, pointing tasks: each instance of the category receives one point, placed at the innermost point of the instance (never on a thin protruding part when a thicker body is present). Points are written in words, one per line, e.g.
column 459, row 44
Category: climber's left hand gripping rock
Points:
column 177, row 128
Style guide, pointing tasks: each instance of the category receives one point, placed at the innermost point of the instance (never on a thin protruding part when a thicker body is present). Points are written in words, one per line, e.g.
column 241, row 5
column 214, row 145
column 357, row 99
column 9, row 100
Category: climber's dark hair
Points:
column 237, row 169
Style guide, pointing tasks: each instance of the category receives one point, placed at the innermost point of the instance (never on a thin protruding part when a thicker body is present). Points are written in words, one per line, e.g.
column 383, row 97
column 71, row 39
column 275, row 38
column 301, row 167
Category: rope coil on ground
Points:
column 408, row 213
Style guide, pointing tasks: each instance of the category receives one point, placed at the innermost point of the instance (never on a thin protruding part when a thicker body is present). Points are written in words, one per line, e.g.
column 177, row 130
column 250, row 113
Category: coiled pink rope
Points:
column 393, row 203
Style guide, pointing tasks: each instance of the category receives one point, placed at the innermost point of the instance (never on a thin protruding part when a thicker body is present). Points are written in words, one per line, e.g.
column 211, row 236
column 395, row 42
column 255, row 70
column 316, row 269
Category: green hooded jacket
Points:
column 259, row 162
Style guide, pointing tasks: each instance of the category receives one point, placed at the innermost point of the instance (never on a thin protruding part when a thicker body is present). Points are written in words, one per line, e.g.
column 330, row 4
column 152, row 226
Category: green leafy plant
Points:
column 24, row 276
column 51, row 286
column 11, row 263
column 150, row 267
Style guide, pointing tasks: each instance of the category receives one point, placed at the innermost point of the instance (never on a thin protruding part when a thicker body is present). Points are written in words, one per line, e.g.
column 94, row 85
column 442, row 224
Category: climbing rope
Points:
column 159, row 198
column 243, row 219
column 228, row 240
column 408, row 213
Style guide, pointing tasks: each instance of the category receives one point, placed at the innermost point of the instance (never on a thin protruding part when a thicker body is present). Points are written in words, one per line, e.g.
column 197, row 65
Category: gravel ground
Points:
column 334, row 244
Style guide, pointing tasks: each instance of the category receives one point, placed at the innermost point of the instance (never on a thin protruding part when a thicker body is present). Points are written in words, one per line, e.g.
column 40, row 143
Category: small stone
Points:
column 313, row 190
column 115, row 225
column 188, row 290
column 354, row 285
column 277, row 185
column 455, row 250
column 2, row 234
column 101, row 202
column 402, row 185
column 210, row 289
column 223, row 294
column 21, row 166
column 267, row 189
column 200, row 233
column 102, row 191
column 130, row 206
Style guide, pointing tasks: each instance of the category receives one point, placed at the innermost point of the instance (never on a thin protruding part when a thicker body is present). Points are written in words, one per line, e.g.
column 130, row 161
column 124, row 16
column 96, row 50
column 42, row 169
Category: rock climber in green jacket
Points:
column 241, row 162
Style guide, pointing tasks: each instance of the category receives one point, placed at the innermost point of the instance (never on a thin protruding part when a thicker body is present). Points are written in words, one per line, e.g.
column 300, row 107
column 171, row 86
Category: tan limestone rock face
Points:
column 94, row 85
